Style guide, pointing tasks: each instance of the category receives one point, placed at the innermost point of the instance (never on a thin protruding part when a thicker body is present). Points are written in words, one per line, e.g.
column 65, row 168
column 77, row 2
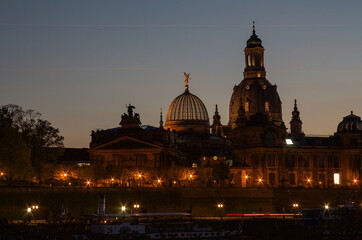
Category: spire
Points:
column 187, row 78
column 161, row 122
column 254, row 57
column 216, row 117
column 216, row 122
column 296, row 123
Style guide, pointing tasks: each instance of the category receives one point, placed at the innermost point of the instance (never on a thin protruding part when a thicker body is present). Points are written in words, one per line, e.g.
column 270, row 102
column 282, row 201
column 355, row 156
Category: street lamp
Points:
column 326, row 206
column 220, row 206
column 88, row 182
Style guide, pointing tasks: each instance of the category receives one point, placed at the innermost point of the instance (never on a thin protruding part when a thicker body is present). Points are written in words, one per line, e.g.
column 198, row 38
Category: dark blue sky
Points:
column 80, row 62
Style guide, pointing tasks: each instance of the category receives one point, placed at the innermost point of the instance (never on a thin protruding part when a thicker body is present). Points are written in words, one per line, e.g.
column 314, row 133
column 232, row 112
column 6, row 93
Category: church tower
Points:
column 216, row 121
column 254, row 57
column 296, row 123
column 255, row 107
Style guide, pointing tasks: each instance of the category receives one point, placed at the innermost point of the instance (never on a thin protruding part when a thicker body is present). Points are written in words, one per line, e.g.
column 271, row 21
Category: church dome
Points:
column 253, row 41
column 187, row 113
column 187, row 107
column 350, row 123
column 256, row 96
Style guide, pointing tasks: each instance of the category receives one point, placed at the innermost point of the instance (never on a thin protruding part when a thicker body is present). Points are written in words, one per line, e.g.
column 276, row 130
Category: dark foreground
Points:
column 248, row 229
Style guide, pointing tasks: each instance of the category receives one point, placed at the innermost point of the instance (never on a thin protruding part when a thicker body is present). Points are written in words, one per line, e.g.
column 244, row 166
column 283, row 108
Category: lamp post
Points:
column 220, row 207
column 295, row 208
column 32, row 211
column 136, row 207
column 123, row 209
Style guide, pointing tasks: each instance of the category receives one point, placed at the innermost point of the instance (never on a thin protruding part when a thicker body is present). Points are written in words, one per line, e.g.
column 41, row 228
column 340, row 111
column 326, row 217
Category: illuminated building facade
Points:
column 264, row 154
column 255, row 142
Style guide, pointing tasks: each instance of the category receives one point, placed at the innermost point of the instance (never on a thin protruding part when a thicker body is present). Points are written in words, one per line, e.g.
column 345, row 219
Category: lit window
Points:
column 215, row 158
column 194, row 165
column 264, row 87
column 336, row 178
column 247, row 107
column 266, row 106
column 289, row 141
column 247, row 87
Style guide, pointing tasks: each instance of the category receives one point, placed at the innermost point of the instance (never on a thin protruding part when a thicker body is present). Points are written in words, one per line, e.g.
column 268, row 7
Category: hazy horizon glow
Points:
column 80, row 62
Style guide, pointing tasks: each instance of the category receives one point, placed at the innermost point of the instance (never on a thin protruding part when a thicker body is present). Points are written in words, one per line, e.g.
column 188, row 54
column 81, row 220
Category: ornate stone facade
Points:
column 255, row 142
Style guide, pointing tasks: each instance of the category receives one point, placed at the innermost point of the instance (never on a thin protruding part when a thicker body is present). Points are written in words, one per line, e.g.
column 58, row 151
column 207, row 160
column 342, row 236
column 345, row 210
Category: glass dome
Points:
column 187, row 107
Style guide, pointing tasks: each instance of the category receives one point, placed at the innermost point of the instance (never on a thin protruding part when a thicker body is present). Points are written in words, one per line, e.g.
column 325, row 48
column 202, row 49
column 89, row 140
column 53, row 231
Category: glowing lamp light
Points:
column 260, row 180
column 123, row 208
column 190, row 175
column 289, row 141
column 309, row 180
column 295, row 205
column 246, row 177
column 112, row 179
column 355, row 181
column 326, row 206
column 174, row 182
column 220, row 205
column 29, row 210
column 2, row 173
column 136, row 206
column 159, row 180
column 139, row 175
column 65, row 175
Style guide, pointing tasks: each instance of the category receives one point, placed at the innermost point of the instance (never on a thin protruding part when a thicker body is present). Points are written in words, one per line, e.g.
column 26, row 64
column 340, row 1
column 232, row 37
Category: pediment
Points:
column 126, row 143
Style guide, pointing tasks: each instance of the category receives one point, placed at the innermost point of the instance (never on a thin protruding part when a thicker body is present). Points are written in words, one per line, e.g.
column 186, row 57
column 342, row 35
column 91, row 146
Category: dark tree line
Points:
column 26, row 142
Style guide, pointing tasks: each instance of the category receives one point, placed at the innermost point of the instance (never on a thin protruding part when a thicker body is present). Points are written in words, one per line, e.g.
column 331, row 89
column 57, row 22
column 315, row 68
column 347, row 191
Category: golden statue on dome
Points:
column 187, row 78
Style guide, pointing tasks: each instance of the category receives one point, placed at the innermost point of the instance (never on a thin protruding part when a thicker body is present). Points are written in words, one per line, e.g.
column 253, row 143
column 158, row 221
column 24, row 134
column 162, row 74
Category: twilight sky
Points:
column 80, row 62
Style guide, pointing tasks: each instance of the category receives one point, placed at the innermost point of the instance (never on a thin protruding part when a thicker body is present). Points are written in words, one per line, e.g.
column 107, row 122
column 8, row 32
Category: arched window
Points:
column 266, row 106
column 271, row 178
column 257, row 60
column 292, row 179
column 246, row 107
